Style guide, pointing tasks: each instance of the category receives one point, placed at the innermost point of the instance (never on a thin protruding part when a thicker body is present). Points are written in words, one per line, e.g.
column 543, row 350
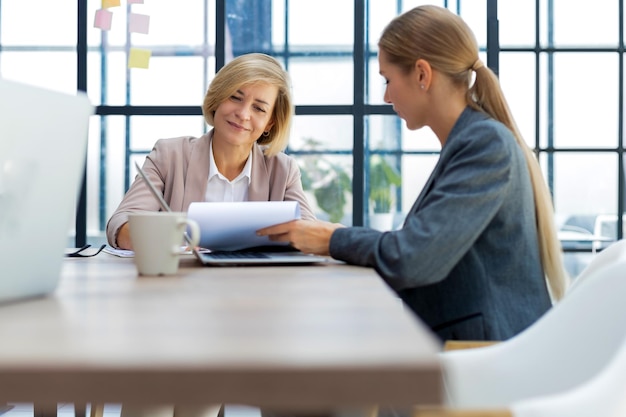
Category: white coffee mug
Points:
column 157, row 238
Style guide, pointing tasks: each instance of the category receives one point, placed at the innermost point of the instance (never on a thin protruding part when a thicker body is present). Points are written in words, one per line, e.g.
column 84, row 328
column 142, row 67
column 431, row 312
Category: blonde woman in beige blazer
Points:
column 250, row 108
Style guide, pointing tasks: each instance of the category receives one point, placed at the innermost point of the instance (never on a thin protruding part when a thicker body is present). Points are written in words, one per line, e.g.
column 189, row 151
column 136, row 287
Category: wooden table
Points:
column 303, row 339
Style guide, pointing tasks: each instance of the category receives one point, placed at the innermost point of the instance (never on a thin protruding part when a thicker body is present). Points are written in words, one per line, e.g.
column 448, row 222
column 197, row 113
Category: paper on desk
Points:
column 122, row 253
column 125, row 253
column 233, row 226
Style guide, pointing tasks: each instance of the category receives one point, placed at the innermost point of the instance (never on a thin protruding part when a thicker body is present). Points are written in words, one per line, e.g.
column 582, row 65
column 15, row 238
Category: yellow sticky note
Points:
column 139, row 58
column 110, row 3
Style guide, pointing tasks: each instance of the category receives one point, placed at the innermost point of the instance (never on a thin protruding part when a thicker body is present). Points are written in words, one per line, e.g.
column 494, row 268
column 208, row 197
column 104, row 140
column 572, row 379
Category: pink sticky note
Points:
column 138, row 23
column 103, row 19
column 110, row 3
column 135, row 1
column 139, row 58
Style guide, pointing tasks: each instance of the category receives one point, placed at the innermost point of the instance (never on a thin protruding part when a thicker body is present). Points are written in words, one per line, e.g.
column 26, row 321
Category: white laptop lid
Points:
column 43, row 144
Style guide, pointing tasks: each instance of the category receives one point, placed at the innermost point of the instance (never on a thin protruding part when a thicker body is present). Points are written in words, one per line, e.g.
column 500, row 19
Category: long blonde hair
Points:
column 249, row 69
column 444, row 40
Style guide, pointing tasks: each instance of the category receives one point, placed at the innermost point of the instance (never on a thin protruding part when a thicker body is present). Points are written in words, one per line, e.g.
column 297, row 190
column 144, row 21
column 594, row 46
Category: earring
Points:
column 422, row 86
column 266, row 134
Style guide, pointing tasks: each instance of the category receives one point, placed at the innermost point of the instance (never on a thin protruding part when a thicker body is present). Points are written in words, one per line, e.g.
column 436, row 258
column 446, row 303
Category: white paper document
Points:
column 122, row 253
column 233, row 226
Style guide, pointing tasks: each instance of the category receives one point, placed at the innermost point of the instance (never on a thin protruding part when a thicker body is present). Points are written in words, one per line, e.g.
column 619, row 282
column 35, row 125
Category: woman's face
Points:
column 402, row 90
column 243, row 117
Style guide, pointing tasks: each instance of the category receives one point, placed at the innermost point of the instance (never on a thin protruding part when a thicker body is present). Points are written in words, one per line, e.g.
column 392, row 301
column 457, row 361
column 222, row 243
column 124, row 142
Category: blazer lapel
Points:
column 259, row 189
column 197, row 175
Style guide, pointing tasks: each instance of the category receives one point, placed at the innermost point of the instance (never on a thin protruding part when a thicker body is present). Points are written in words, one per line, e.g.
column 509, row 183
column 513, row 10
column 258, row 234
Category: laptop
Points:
column 274, row 255
column 43, row 146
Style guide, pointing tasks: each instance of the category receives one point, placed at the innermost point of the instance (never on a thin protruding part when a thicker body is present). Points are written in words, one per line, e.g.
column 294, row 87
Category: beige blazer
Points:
column 179, row 167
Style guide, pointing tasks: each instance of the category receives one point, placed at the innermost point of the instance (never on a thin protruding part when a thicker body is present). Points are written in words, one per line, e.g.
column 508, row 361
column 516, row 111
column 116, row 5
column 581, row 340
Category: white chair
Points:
column 613, row 253
column 5, row 408
column 603, row 395
column 564, row 349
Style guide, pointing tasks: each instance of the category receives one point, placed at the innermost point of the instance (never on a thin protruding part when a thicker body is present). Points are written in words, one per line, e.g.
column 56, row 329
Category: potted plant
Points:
column 327, row 180
column 383, row 180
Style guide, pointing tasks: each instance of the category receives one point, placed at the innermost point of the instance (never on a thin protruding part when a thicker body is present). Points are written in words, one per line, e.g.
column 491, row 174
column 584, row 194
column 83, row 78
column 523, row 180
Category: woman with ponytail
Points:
column 477, row 256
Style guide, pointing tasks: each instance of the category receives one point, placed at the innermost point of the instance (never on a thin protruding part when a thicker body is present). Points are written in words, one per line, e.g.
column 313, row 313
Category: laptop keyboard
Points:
column 237, row 255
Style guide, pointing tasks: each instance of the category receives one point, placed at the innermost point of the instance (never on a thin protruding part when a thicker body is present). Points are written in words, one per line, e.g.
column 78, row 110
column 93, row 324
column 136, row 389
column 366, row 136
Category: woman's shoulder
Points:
column 278, row 161
column 475, row 127
column 179, row 143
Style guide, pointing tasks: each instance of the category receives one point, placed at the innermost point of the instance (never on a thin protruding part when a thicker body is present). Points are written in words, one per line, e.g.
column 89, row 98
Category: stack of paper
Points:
column 233, row 226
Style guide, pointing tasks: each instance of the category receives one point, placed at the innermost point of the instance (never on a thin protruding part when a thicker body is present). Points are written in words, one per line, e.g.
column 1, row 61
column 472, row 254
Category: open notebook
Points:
column 275, row 255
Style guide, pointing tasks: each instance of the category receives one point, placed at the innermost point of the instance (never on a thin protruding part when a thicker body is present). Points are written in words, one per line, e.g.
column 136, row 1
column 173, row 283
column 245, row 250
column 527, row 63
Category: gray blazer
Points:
column 466, row 260
column 179, row 167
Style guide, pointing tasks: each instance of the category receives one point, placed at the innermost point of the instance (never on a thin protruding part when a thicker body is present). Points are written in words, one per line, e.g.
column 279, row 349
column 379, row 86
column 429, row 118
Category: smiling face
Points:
column 243, row 117
column 403, row 91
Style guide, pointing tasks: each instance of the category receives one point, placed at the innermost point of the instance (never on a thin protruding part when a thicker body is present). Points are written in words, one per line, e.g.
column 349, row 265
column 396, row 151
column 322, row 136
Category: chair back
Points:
column 566, row 347
column 603, row 395
column 613, row 253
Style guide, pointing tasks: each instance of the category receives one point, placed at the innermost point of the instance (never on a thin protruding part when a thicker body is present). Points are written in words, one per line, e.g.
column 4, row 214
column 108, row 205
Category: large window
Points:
column 564, row 84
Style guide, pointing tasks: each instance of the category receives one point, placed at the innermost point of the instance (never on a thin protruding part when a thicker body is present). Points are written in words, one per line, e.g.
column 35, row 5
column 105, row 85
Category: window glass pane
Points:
column 585, row 199
column 321, row 23
column 387, row 136
column 585, row 116
column 278, row 25
column 375, row 93
column 146, row 130
column 409, row 4
column 584, row 183
column 516, row 23
column 474, row 13
column 181, row 47
column 517, row 79
column 416, row 170
column 38, row 22
column 391, row 133
column 381, row 12
column 96, row 202
column 328, row 131
column 170, row 81
column 327, row 182
column 423, row 140
column 53, row 70
column 169, row 25
column 576, row 23
column 156, row 86
column 326, row 176
column 322, row 80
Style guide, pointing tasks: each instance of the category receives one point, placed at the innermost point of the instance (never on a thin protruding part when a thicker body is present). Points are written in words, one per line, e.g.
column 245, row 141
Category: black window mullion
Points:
column 493, row 37
column 80, row 237
column 220, row 34
column 620, row 125
column 550, row 94
column 358, row 156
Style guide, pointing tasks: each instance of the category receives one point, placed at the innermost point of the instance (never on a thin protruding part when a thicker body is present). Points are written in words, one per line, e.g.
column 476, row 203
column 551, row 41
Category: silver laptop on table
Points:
column 269, row 256
column 43, row 144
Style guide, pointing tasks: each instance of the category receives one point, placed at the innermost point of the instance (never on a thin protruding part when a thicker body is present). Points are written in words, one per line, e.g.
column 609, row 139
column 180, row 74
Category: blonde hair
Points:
column 445, row 41
column 250, row 69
